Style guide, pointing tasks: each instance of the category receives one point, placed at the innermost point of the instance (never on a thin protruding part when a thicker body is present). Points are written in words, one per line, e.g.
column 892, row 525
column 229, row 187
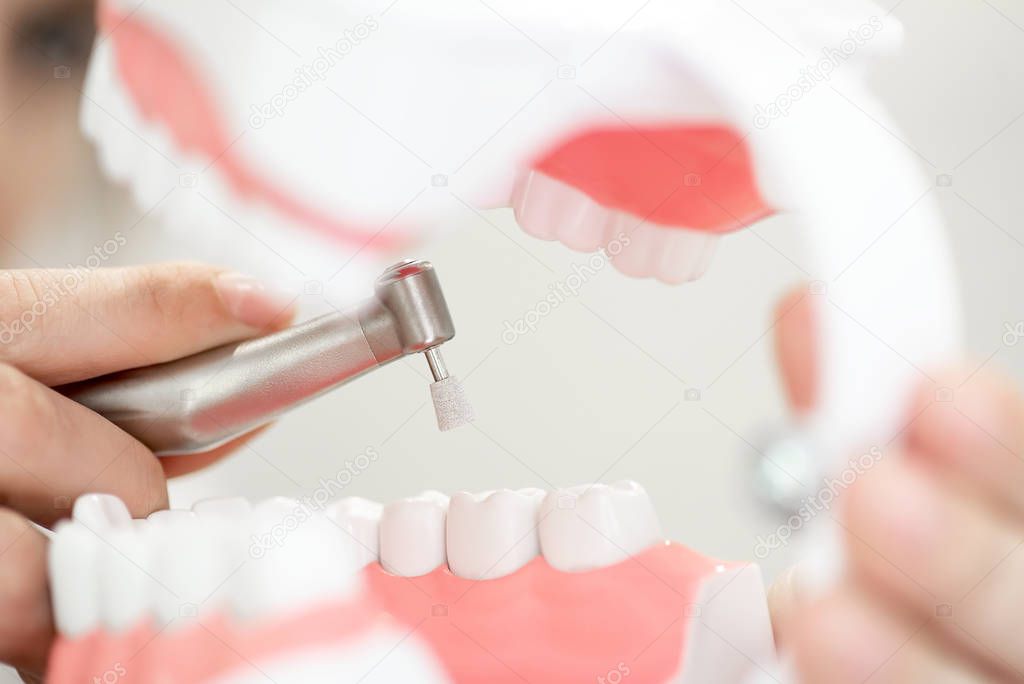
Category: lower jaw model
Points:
column 575, row 584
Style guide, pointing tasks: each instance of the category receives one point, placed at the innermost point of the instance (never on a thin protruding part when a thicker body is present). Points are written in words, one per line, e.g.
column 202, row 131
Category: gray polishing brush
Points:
column 202, row 401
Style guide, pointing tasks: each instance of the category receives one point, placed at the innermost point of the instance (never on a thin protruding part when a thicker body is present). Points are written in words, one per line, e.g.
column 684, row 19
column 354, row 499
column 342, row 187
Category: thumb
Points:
column 796, row 349
column 26, row 623
column 59, row 326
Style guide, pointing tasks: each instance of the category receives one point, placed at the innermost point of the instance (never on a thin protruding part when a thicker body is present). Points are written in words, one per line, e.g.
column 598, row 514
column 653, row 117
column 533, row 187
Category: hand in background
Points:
column 934, row 535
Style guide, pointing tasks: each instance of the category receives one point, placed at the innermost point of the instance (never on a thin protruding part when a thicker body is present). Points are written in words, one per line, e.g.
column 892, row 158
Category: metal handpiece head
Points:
column 411, row 291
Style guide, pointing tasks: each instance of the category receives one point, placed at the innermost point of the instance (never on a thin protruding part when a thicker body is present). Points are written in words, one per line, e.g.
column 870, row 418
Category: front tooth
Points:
column 638, row 258
column 359, row 521
column 592, row 526
column 684, row 254
column 582, row 226
column 108, row 585
column 125, row 588
column 670, row 254
column 412, row 534
column 190, row 564
column 537, row 204
column 99, row 512
column 73, row 577
column 491, row 535
column 297, row 558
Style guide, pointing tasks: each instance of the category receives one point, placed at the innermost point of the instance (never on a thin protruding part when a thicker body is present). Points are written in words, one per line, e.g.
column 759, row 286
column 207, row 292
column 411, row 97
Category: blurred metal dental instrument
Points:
column 199, row 402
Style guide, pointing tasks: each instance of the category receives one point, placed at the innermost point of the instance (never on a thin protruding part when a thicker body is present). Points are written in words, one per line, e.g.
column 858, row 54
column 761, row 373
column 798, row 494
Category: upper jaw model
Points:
column 576, row 584
column 361, row 123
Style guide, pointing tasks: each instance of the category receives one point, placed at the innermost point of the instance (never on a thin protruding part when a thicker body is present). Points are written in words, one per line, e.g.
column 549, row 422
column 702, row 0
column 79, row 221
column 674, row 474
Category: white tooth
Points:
column 232, row 507
column 670, row 254
column 230, row 518
column 99, row 512
column 731, row 628
column 297, row 558
column 549, row 209
column 638, row 258
column 101, row 543
column 412, row 534
column 190, row 565
column 124, row 586
column 73, row 577
column 359, row 520
column 582, row 225
column 592, row 526
column 491, row 535
column 617, row 229
column 536, row 204
column 684, row 254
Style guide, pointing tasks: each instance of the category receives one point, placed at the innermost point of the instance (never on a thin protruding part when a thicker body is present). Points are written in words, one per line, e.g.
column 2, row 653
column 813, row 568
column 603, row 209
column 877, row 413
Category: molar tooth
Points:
column 73, row 578
column 99, row 512
column 592, row 526
column 359, row 520
column 493, row 534
column 412, row 534
column 297, row 558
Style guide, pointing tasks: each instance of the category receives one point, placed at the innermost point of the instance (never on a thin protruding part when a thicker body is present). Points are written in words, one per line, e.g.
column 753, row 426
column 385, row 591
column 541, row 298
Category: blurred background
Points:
column 629, row 379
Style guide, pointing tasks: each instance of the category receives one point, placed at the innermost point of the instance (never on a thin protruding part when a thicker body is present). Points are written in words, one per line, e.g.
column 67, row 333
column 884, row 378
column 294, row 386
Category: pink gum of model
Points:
column 538, row 624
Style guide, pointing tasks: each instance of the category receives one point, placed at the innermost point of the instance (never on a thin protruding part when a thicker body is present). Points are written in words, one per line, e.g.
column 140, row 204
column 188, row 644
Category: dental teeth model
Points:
column 647, row 133
column 348, row 123
column 505, row 586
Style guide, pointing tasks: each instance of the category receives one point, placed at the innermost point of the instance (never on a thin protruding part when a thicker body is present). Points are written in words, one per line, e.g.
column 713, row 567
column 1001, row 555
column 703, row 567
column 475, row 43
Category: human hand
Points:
column 60, row 326
column 934, row 538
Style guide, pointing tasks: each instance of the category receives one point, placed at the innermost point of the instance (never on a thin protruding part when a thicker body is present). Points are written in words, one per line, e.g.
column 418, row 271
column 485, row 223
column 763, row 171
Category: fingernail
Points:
column 252, row 301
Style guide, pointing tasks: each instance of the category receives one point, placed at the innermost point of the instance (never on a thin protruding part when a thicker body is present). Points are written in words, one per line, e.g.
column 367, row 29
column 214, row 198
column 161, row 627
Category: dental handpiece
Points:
column 202, row 401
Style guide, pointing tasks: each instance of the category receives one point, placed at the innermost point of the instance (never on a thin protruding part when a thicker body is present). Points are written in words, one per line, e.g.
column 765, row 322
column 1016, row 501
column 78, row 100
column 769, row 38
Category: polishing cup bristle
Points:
column 450, row 404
